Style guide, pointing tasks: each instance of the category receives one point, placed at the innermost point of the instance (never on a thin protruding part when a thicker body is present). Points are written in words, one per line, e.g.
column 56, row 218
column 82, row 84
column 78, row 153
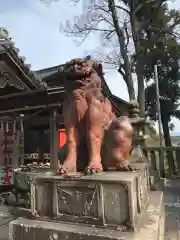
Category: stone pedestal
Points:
column 111, row 205
column 110, row 199
column 152, row 227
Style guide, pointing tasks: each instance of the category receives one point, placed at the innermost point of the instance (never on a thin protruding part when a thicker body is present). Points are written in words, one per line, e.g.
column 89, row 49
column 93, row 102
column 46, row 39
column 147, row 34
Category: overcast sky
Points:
column 35, row 29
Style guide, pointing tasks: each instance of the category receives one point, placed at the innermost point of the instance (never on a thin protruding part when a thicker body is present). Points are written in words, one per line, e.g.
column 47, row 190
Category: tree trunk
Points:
column 130, row 87
column 127, row 76
column 141, row 95
column 121, row 39
column 139, row 64
column 167, row 139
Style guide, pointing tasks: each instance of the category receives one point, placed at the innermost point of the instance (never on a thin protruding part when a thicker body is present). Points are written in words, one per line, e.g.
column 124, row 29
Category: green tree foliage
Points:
column 160, row 47
column 148, row 18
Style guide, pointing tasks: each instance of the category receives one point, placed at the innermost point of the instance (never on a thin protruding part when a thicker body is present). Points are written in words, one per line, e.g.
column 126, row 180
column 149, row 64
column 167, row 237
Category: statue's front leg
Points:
column 70, row 120
column 94, row 123
column 73, row 111
column 69, row 164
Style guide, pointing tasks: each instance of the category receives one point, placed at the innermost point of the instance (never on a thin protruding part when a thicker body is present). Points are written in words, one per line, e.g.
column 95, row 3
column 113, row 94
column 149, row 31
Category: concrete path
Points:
column 5, row 218
column 172, row 207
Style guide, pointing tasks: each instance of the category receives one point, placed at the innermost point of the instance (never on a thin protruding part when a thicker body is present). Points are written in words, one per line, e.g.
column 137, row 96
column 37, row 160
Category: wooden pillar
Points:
column 41, row 145
column 53, row 140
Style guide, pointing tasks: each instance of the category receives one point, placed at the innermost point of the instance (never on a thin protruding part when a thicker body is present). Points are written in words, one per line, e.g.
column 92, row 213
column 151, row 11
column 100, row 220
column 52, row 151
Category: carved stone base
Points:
column 152, row 227
column 22, row 184
column 116, row 200
column 22, row 179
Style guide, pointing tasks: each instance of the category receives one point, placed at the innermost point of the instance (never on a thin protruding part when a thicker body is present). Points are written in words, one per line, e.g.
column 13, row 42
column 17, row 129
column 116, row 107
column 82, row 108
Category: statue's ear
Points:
column 98, row 68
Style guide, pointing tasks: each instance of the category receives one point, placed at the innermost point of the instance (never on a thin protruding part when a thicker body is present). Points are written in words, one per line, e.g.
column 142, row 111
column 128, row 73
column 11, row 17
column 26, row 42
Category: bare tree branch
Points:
column 123, row 9
column 122, row 73
column 127, row 35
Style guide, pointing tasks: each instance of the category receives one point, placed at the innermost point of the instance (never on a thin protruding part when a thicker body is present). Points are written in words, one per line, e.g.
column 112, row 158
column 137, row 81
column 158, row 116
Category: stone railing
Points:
column 158, row 159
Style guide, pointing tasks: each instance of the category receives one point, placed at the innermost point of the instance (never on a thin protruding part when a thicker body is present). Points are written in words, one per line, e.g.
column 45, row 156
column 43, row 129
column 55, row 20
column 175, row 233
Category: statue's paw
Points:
column 125, row 166
column 63, row 170
column 93, row 168
column 68, row 166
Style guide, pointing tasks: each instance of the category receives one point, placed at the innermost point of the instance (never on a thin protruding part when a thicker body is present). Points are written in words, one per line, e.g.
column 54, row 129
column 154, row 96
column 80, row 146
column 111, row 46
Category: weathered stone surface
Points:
column 159, row 185
column 110, row 198
column 22, row 184
column 22, row 178
column 152, row 227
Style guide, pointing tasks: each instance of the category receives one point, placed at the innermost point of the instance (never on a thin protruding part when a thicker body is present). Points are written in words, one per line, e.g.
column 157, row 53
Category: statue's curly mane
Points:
column 79, row 65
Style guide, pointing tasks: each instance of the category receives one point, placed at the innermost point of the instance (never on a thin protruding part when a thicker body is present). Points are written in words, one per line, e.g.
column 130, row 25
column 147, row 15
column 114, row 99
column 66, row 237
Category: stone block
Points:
column 159, row 185
column 111, row 199
column 22, row 184
column 151, row 227
column 22, row 178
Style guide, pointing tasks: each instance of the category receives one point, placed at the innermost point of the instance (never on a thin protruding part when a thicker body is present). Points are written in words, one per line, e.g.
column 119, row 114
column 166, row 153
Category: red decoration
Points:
column 62, row 137
column 7, row 151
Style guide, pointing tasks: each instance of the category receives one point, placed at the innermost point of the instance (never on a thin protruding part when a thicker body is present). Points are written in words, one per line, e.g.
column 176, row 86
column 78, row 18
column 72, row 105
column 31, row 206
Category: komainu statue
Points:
column 96, row 139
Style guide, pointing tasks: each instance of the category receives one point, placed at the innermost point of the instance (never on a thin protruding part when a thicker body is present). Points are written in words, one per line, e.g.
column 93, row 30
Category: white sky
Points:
column 35, row 30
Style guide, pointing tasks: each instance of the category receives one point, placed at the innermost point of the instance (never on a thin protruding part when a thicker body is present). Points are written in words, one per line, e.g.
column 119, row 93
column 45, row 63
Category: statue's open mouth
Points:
column 75, row 77
column 78, row 83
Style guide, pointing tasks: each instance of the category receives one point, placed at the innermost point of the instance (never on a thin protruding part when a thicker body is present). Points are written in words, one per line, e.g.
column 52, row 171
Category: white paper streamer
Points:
column 14, row 126
column 21, row 126
column 2, row 126
column 7, row 127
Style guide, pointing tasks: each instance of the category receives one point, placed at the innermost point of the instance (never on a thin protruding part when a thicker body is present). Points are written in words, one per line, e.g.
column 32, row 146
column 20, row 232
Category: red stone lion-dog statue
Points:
column 96, row 139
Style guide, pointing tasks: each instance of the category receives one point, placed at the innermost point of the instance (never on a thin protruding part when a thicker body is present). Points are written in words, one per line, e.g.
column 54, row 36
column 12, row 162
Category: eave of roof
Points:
column 7, row 47
column 43, row 74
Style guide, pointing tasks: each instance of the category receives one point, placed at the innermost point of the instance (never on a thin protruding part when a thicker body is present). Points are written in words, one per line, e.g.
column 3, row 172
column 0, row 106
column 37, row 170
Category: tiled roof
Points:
column 7, row 47
column 46, row 72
